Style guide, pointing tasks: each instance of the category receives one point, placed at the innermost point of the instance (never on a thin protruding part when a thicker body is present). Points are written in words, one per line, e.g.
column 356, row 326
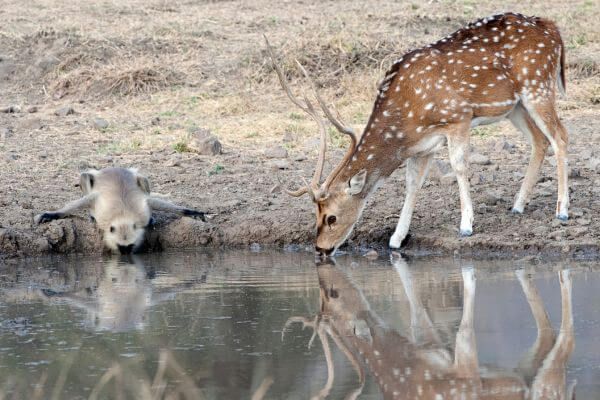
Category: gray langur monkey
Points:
column 120, row 203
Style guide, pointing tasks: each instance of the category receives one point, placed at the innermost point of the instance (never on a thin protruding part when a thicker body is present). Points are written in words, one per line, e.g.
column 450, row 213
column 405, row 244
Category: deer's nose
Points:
column 125, row 249
column 325, row 252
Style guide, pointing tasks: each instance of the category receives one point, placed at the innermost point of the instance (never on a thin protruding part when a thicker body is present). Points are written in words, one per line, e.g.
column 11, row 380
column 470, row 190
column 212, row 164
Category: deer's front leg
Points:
column 458, row 149
column 416, row 172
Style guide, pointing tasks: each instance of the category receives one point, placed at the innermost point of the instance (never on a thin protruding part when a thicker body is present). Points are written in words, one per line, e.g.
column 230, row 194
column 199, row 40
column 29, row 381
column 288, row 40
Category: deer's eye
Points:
column 112, row 229
column 331, row 220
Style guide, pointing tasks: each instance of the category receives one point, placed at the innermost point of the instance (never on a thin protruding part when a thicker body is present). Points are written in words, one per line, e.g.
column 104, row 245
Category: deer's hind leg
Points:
column 523, row 121
column 543, row 113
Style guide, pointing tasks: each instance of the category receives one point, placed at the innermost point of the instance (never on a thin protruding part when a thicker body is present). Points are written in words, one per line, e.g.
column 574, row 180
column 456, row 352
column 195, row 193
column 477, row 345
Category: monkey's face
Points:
column 125, row 235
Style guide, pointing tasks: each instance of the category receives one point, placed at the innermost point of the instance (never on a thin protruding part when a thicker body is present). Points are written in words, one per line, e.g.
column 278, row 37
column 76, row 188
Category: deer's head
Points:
column 340, row 199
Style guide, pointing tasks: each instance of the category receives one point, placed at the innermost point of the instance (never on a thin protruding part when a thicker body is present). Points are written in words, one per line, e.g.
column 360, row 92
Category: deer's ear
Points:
column 357, row 182
column 87, row 181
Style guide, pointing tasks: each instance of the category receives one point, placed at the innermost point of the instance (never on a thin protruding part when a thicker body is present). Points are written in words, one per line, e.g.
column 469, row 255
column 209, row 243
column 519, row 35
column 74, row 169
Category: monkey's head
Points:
column 121, row 209
column 124, row 234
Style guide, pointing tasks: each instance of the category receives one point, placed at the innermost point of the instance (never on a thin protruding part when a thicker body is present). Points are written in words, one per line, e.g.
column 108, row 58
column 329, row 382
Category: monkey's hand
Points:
column 47, row 217
column 194, row 214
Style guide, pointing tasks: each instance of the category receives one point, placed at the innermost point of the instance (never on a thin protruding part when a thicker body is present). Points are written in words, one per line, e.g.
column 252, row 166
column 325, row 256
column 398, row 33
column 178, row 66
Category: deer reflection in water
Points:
column 417, row 365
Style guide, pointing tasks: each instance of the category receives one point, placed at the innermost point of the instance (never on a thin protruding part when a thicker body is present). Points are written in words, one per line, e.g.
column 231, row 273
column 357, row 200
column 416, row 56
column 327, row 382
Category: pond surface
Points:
column 230, row 325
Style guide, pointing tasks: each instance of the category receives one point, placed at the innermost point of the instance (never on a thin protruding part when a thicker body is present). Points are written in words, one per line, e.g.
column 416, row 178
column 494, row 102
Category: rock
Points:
column 442, row 172
column 205, row 143
column 64, row 111
column 13, row 109
column 491, row 198
column 505, row 146
column 578, row 231
column 100, row 123
column 448, row 179
column 280, row 164
column 4, row 133
column 583, row 221
column 372, row 254
column 574, row 173
column 299, row 157
column 558, row 235
column 479, row 159
column 33, row 124
column 155, row 121
column 84, row 165
column 276, row 152
column 32, row 109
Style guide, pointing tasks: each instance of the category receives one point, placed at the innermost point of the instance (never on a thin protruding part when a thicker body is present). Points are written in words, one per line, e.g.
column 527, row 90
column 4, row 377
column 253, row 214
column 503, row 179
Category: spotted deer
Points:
column 504, row 66
column 416, row 364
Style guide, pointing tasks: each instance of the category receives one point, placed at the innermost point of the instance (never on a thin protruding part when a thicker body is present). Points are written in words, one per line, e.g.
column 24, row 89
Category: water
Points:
column 209, row 325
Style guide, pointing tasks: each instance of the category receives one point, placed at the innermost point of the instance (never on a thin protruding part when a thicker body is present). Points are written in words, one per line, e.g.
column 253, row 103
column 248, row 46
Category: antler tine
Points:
column 339, row 126
column 322, row 146
column 309, row 109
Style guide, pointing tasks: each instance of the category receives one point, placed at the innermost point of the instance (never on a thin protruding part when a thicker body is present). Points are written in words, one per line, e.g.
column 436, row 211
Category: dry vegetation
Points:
column 203, row 63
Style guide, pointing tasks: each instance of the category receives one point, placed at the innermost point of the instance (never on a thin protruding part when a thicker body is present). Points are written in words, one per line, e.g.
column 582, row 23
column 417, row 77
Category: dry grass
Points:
column 206, row 60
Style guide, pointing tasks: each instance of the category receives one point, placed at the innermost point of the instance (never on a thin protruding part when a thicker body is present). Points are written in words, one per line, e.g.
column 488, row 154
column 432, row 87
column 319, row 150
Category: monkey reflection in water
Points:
column 119, row 301
column 417, row 365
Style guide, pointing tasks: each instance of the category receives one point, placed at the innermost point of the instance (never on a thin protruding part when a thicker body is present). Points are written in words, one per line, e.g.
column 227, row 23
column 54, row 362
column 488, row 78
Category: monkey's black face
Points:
column 126, row 249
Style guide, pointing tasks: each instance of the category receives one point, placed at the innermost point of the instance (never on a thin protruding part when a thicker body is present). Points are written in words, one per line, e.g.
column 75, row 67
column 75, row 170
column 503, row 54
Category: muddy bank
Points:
column 250, row 209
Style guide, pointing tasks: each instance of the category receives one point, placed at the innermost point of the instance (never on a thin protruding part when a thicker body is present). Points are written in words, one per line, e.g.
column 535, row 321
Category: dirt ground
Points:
column 133, row 83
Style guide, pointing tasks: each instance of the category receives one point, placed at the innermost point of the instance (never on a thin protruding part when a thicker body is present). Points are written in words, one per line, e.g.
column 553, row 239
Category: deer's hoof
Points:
column 466, row 232
column 562, row 217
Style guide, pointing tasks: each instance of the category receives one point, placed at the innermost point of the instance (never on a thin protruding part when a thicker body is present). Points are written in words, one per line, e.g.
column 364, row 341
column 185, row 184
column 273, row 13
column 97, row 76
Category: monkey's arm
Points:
column 69, row 209
column 162, row 205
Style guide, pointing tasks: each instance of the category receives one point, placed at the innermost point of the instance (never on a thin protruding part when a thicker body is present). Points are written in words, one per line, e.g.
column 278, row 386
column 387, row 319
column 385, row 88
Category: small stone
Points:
column 299, row 157
column 84, row 165
column 558, row 235
column 491, row 198
column 64, row 111
column 32, row 109
column 448, row 179
column 594, row 165
column 205, row 143
column 574, row 173
column 583, row 221
column 100, row 123
column 155, row 121
column 276, row 152
column 505, row 146
column 32, row 124
column 280, row 164
column 479, row 159
column 12, row 109
column 372, row 254
column 174, row 163
column 578, row 231
column 106, row 160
